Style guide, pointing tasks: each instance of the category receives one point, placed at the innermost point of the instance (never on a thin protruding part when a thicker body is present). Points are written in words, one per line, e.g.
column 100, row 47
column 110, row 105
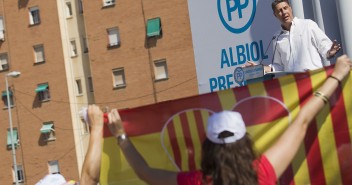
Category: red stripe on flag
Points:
column 174, row 143
column 273, row 89
column 200, row 125
column 311, row 141
column 261, row 109
column 341, row 130
column 188, row 141
column 241, row 92
column 151, row 118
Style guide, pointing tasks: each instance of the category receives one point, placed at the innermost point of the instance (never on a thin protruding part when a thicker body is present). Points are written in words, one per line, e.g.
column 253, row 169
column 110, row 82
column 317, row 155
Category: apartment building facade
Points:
column 140, row 51
column 71, row 53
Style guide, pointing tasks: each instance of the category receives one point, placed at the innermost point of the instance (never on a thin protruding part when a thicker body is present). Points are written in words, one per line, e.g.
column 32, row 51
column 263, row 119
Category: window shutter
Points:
column 39, row 53
column 119, row 78
column 113, row 37
column 160, row 68
column 1, row 23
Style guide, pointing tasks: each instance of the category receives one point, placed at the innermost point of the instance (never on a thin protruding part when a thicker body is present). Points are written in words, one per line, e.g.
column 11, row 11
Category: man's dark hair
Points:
column 276, row 2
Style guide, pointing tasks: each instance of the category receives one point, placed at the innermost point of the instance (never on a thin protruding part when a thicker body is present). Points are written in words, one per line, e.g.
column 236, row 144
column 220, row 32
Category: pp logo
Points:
column 237, row 15
column 239, row 76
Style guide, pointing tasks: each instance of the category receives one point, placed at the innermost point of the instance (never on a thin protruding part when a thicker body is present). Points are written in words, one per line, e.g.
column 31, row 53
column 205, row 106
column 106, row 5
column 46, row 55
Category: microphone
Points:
column 272, row 59
column 274, row 37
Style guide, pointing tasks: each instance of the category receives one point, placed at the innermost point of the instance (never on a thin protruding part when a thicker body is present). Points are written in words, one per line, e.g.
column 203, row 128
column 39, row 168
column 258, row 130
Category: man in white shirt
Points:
column 300, row 45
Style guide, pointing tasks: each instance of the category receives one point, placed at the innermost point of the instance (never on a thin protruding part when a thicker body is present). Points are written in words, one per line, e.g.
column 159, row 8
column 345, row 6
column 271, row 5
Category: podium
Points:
column 253, row 74
column 268, row 76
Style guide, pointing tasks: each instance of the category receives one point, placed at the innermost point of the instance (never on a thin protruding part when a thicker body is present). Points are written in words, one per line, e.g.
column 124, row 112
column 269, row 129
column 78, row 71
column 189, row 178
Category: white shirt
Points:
column 302, row 48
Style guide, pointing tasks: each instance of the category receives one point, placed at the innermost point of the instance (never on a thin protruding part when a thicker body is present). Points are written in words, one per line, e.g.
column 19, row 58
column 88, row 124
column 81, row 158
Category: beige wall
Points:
column 136, row 54
column 29, row 114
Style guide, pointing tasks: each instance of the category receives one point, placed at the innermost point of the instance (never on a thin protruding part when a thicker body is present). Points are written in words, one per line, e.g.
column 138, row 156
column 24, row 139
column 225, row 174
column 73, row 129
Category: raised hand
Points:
column 95, row 116
column 333, row 50
column 115, row 123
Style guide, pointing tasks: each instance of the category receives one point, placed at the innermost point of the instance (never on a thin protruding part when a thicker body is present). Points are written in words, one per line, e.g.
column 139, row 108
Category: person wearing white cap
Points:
column 52, row 179
column 227, row 154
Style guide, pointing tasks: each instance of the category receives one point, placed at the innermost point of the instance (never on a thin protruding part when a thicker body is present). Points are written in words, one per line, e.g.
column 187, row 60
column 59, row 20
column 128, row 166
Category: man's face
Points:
column 283, row 12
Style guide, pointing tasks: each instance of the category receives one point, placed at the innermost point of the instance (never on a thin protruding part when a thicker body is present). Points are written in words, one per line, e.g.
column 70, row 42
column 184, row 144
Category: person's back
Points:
column 228, row 156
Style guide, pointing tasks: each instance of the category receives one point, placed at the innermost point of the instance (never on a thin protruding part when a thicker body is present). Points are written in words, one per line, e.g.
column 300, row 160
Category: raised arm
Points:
column 282, row 152
column 136, row 161
column 91, row 165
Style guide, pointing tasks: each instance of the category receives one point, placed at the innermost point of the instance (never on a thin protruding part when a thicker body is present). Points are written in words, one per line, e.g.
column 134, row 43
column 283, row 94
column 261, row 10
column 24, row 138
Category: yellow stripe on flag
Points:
column 326, row 137
column 261, row 140
column 115, row 168
column 227, row 99
column 168, row 147
column 257, row 89
column 205, row 116
column 347, row 89
column 181, row 143
column 290, row 97
column 197, row 144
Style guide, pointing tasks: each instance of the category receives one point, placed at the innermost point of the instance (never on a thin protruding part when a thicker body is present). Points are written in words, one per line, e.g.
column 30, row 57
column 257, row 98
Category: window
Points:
column 73, row 48
column 90, row 83
column 160, row 70
column 53, row 167
column 79, row 87
column 85, row 45
column 4, row 65
column 85, row 125
column 34, row 17
column 14, row 137
column 48, row 131
column 4, row 98
column 68, row 10
column 43, row 92
column 2, row 29
column 154, row 27
column 20, row 174
column 80, row 6
column 119, row 77
column 39, row 53
column 114, row 37
column 108, row 2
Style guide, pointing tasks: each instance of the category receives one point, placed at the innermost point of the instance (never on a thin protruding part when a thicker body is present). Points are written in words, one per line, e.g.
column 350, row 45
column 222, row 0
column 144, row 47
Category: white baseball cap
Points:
column 229, row 121
column 52, row 179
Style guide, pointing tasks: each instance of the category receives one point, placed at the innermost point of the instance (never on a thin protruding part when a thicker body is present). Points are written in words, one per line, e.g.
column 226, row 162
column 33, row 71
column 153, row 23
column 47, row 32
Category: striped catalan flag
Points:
column 169, row 134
